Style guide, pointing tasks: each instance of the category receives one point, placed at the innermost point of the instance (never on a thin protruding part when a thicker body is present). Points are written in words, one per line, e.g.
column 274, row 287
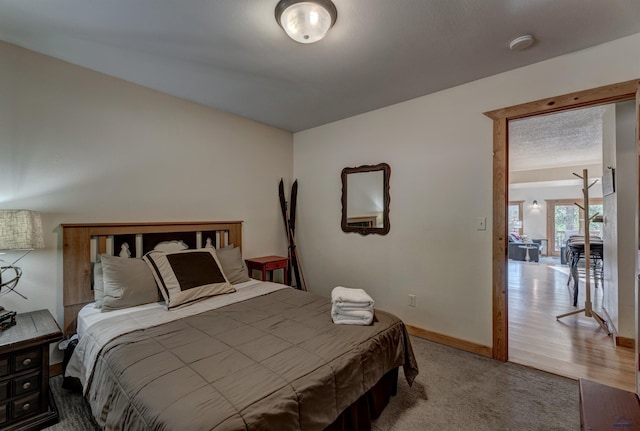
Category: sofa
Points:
column 515, row 251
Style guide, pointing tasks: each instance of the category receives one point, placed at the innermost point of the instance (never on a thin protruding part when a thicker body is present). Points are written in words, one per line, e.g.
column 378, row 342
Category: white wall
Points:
column 80, row 146
column 439, row 148
column 627, row 198
column 610, row 225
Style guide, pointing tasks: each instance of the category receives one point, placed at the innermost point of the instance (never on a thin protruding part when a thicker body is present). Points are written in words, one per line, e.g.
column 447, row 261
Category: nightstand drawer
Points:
column 4, row 366
column 275, row 265
column 26, row 360
column 3, row 413
column 26, row 405
column 4, row 390
column 28, row 383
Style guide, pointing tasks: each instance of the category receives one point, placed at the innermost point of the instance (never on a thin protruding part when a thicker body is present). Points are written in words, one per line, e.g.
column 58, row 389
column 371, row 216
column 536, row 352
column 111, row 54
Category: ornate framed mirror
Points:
column 365, row 199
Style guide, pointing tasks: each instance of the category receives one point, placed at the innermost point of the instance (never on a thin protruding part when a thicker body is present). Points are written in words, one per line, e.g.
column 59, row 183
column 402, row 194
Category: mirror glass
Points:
column 365, row 199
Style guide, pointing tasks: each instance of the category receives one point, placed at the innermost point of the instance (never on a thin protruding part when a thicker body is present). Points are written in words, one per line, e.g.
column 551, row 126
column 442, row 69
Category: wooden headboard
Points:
column 83, row 242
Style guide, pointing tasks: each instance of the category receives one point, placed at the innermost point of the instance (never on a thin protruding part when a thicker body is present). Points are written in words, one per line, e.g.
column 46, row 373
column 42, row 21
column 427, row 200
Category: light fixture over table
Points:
column 306, row 21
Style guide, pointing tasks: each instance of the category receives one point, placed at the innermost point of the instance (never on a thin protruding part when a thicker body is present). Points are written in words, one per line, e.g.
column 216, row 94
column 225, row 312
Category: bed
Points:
column 262, row 356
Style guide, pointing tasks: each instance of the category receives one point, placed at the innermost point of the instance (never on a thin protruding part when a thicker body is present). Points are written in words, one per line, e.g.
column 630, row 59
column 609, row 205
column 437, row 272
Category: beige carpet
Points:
column 455, row 390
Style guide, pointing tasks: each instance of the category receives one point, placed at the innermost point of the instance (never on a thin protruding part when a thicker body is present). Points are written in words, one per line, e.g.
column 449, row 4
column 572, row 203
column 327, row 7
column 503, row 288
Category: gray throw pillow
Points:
column 232, row 264
column 127, row 282
column 98, row 284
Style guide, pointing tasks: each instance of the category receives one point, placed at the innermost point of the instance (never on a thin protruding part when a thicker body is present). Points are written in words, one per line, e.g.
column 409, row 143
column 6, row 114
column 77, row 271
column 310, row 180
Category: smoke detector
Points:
column 521, row 43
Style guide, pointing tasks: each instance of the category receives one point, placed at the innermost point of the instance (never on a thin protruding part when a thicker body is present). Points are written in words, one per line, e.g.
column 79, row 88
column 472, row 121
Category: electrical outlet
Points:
column 481, row 223
column 412, row 300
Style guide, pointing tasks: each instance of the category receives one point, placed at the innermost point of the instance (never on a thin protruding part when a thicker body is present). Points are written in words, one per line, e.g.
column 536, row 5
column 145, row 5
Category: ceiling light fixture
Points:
column 306, row 21
column 521, row 43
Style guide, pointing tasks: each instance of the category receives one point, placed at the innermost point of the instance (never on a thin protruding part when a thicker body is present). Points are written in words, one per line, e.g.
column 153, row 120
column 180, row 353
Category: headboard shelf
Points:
column 80, row 239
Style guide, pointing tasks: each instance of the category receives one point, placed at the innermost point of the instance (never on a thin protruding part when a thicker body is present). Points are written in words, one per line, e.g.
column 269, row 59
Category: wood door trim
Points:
column 596, row 96
column 499, row 265
column 579, row 99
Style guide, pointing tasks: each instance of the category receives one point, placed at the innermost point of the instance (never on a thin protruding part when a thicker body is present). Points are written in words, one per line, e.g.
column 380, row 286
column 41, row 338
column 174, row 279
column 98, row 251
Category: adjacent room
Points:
column 317, row 215
column 546, row 201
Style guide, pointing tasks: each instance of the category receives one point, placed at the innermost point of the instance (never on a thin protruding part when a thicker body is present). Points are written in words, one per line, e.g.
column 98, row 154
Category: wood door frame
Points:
column 580, row 99
column 551, row 204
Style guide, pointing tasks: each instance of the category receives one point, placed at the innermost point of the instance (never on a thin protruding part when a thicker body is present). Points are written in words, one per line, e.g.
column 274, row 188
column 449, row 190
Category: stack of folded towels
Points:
column 351, row 306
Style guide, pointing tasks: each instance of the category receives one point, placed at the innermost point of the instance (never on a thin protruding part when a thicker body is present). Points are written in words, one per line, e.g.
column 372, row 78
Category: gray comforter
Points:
column 275, row 362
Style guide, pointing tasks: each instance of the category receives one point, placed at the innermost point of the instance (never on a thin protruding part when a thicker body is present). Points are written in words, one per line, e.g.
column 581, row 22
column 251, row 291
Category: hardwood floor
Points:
column 573, row 346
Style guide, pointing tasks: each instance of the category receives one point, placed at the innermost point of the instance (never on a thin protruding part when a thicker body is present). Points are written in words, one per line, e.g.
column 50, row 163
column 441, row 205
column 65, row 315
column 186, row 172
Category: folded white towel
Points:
column 354, row 298
column 351, row 317
column 351, row 306
column 355, row 306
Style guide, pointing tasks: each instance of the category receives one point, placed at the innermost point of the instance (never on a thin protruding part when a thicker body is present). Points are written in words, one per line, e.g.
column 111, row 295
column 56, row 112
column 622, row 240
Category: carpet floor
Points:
column 455, row 390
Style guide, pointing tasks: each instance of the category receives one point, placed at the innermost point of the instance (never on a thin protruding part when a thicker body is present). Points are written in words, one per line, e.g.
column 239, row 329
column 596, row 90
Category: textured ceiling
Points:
column 570, row 138
column 231, row 54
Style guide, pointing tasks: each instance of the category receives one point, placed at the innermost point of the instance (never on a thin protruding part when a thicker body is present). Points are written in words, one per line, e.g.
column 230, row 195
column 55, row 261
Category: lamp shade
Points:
column 306, row 21
column 20, row 230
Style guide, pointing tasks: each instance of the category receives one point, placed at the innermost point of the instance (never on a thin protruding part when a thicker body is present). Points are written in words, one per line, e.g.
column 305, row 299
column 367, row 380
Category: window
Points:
column 514, row 217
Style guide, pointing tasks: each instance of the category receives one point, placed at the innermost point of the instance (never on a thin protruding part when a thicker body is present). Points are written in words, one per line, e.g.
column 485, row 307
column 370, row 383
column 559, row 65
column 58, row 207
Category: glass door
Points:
column 565, row 218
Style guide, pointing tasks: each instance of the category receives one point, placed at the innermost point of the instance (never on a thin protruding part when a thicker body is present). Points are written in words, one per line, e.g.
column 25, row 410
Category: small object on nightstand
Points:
column 268, row 264
column 25, row 401
column 7, row 319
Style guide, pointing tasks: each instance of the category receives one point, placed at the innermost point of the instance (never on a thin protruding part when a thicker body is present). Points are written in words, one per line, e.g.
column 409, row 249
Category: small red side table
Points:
column 268, row 264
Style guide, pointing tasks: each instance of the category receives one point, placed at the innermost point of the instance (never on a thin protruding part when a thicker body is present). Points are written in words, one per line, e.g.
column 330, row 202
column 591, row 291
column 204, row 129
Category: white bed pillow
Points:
column 127, row 282
column 188, row 275
column 169, row 246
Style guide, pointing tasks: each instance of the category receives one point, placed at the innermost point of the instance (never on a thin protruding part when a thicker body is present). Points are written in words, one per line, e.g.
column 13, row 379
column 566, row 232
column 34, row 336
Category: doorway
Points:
column 547, row 153
column 602, row 95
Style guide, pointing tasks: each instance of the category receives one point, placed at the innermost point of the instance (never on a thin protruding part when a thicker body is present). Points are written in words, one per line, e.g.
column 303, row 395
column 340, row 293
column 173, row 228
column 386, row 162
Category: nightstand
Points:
column 25, row 402
column 268, row 264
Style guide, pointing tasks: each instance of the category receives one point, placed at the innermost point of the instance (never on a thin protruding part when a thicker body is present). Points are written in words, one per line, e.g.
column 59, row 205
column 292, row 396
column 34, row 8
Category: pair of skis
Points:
column 290, row 228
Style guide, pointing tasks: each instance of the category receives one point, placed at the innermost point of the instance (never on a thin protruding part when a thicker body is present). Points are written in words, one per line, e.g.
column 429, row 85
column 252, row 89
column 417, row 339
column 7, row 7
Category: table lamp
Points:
column 19, row 230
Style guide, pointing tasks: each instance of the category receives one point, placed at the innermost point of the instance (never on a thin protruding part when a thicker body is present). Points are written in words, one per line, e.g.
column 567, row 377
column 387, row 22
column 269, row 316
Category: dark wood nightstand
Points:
column 24, row 372
column 268, row 264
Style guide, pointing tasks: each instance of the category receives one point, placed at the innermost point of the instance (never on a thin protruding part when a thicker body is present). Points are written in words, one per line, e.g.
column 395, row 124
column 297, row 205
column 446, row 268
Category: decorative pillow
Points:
column 187, row 276
column 98, row 284
column 168, row 246
column 232, row 264
column 127, row 283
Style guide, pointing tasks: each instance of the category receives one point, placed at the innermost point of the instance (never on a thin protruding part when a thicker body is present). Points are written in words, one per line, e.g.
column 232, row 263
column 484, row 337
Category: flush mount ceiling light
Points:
column 306, row 21
column 521, row 43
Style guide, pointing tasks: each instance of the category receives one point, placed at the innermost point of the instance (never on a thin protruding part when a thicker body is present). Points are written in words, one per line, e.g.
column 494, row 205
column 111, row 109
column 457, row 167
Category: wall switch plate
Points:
column 412, row 300
column 481, row 223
